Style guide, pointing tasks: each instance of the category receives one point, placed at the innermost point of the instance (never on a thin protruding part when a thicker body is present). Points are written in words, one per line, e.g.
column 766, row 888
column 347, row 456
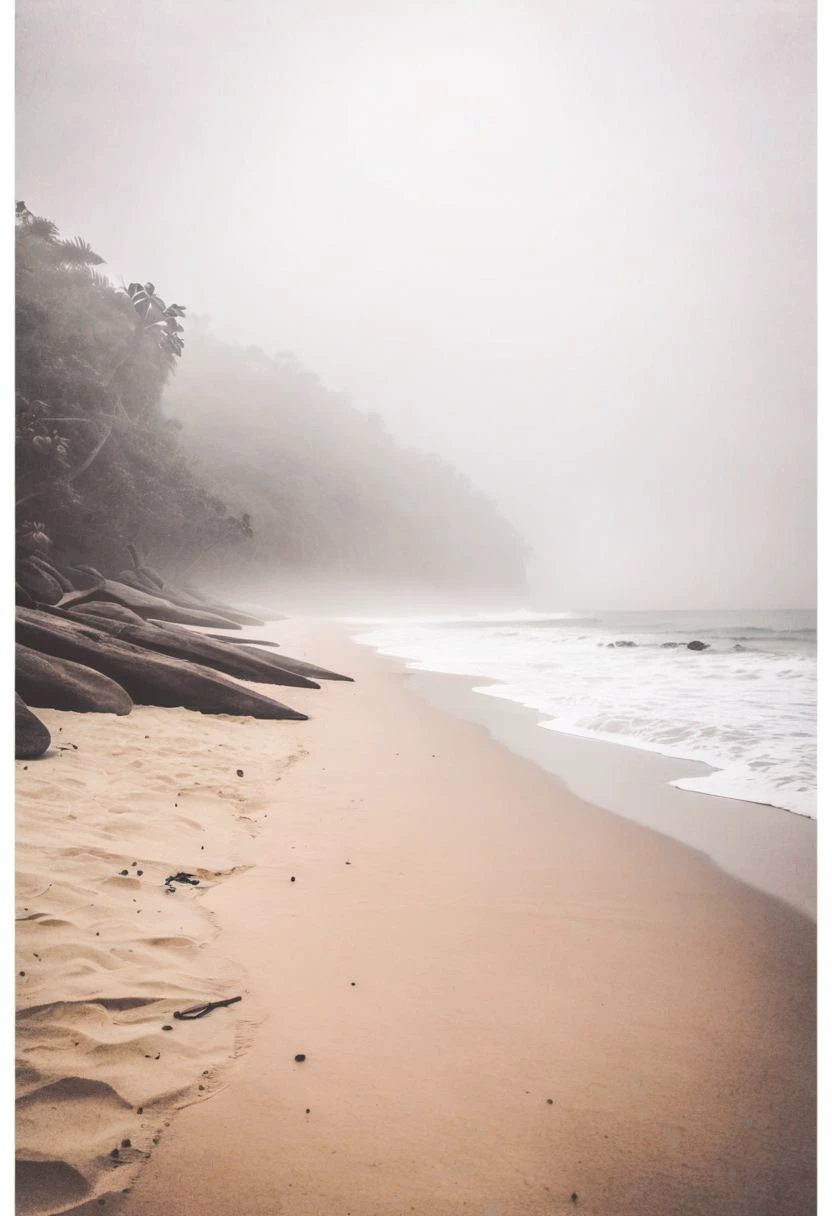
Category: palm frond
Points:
column 78, row 252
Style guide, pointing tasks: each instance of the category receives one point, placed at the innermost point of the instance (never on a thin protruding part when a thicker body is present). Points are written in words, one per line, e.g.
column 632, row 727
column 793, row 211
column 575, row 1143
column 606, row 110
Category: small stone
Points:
column 299, row 1058
column 140, row 872
column 239, row 772
column 308, row 1111
column 22, row 972
column 139, row 1110
column 167, row 1028
column 125, row 1144
column 124, row 872
column 574, row 1196
column 352, row 983
column 292, row 879
column 114, row 1153
column 549, row 1101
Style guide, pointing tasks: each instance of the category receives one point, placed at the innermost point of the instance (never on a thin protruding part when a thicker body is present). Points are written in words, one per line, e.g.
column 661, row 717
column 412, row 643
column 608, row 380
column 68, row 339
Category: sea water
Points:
column 745, row 705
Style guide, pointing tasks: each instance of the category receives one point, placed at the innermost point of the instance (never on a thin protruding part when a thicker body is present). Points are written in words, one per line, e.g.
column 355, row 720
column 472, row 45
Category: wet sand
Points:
column 505, row 996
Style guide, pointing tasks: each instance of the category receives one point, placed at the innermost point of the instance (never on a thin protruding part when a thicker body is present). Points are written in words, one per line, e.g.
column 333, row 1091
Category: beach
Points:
column 508, row 1000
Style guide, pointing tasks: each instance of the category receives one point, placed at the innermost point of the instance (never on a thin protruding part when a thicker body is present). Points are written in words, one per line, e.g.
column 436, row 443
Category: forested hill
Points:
column 328, row 489
column 239, row 463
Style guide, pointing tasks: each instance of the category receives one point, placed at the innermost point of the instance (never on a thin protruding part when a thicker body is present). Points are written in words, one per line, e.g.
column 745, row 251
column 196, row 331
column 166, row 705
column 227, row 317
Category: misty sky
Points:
column 567, row 244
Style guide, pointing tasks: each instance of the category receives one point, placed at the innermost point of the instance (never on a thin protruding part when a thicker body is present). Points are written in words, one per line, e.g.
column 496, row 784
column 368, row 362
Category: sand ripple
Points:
column 105, row 953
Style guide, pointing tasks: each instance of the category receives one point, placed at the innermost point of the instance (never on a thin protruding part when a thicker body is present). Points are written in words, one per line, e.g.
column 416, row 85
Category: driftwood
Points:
column 49, row 682
column 31, row 736
column 149, row 678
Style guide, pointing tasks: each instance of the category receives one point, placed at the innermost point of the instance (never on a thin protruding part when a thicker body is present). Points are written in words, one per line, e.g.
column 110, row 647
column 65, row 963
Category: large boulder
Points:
column 147, row 605
column 184, row 599
column 97, row 610
column 42, row 587
column 149, row 678
column 52, row 570
column 280, row 663
column 181, row 643
column 31, row 737
column 50, row 682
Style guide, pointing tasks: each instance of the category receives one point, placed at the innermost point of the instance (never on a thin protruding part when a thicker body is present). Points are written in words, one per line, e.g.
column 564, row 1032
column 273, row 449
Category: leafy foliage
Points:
column 97, row 461
column 309, row 482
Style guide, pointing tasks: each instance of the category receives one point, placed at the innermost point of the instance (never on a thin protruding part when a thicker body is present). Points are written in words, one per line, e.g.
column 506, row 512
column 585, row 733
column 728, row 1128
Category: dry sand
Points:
column 505, row 996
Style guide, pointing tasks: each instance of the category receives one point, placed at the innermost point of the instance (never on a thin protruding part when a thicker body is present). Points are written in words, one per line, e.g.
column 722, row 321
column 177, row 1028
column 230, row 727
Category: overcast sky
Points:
column 567, row 244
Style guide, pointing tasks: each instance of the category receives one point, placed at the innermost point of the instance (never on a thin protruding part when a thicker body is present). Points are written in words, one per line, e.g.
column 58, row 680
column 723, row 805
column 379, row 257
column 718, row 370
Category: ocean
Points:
column 745, row 704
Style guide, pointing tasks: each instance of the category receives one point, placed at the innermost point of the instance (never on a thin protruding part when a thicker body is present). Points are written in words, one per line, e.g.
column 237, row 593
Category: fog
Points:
column 568, row 246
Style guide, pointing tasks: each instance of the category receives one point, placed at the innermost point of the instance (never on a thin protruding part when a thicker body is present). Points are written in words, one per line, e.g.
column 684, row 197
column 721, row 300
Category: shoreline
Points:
column 505, row 995
column 770, row 848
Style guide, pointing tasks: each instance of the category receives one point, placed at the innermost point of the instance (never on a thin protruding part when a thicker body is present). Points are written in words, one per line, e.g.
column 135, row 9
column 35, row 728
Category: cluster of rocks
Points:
column 695, row 645
column 94, row 644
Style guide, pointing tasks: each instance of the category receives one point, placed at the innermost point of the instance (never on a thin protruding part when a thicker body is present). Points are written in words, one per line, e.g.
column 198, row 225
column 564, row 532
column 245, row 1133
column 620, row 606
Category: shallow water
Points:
column 745, row 705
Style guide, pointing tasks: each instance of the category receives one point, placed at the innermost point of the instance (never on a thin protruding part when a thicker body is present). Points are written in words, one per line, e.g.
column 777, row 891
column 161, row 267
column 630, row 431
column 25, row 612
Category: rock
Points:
column 31, row 737
column 146, row 605
column 50, row 682
column 149, row 678
column 184, row 599
column 698, row 646
column 53, row 571
column 102, row 610
column 220, row 637
column 42, row 587
column 22, row 597
column 181, row 643
column 301, row 668
column 625, row 643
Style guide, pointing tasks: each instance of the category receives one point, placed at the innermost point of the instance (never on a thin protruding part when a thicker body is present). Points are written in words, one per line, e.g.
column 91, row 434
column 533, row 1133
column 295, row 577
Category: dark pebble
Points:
column 23, row 973
column 167, row 1028
column 574, row 1196
column 125, row 1144
column 239, row 772
column 299, row 1059
column 549, row 1101
column 292, row 879
column 124, row 872
column 114, row 1153
column 308, row 1111
column 139, row 1110
column 352, row 983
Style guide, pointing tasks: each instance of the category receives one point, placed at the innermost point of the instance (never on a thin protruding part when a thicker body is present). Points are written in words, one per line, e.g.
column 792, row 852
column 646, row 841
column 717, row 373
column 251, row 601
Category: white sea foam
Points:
column 745, row 706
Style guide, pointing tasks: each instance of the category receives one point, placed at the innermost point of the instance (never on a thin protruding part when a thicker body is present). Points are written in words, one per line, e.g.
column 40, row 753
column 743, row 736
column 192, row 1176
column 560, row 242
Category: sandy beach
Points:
column 509, row 1001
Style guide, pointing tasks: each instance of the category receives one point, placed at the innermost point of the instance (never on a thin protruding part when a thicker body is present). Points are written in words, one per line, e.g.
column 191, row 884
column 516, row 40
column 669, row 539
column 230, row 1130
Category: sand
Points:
column 505, row 995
